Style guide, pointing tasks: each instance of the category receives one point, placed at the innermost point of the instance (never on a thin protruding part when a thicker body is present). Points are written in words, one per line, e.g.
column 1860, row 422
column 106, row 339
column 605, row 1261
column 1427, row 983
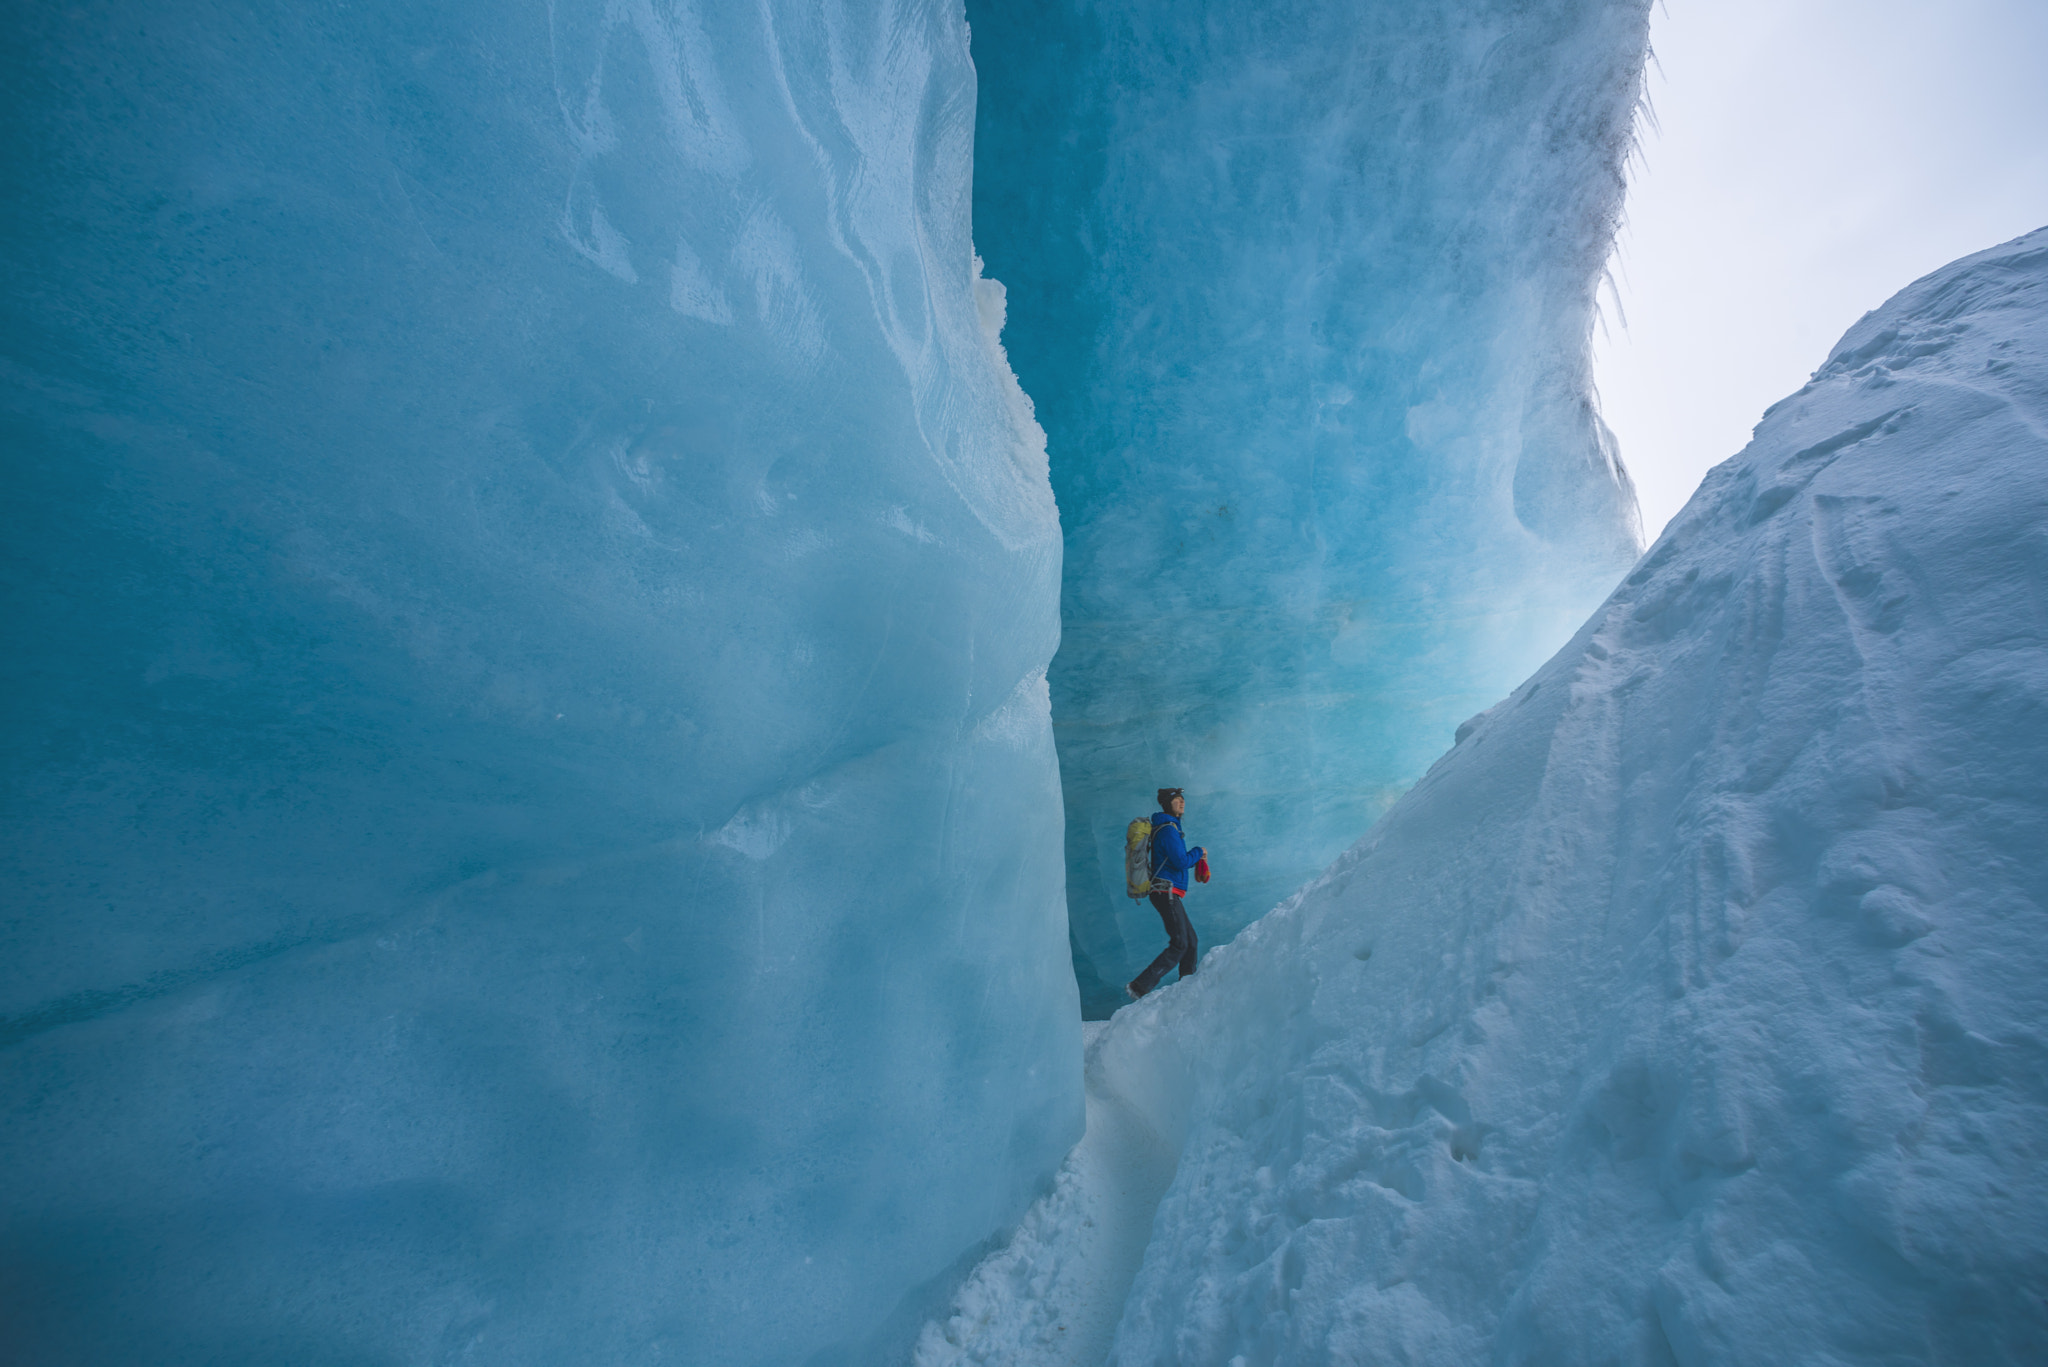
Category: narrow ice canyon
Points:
column 1302, row 294
column 1690, row 1009
column 589, row 585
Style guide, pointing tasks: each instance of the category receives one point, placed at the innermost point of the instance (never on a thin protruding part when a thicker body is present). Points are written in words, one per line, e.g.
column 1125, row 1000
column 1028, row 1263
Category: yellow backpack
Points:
column 1138, row 858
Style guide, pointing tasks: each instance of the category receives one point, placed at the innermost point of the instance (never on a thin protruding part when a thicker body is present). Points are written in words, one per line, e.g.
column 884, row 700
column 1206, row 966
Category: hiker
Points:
column 1171, row 861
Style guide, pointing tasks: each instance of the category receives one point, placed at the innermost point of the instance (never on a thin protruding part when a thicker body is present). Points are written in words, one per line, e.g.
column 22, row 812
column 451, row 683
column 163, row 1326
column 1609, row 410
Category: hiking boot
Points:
column 1131, row 991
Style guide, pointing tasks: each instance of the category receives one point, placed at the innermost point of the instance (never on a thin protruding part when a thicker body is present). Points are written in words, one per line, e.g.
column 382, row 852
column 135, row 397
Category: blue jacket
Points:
column 1171, row 857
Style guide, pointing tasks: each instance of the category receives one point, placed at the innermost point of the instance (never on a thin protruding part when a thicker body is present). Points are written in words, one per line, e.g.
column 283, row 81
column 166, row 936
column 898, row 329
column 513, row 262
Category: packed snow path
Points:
column 1694, row 1007
column 1059, row 1286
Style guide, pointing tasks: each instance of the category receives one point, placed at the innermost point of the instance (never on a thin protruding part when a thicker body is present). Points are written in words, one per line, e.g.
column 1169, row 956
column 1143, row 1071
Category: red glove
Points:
column 1202, row 869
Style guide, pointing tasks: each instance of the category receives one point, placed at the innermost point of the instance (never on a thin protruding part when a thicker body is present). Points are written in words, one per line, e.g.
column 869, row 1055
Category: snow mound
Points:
column 1694, row 1007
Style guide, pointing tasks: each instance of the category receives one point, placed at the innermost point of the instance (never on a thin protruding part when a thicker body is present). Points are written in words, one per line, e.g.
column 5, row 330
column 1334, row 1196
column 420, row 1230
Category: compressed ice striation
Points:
column 1302, row 292
column 533, row 828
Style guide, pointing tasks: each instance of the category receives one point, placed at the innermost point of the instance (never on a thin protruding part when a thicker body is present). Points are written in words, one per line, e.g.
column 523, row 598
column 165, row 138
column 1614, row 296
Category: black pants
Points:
column 1180, row 944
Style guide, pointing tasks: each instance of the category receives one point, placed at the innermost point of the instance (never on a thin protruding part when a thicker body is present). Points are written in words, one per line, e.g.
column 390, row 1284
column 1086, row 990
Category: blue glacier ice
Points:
column 534, row 828
column 1302, row 293
column 532, row 821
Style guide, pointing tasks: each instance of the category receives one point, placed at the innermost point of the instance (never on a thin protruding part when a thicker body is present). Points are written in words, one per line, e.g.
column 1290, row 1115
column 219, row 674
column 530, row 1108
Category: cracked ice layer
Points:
column 533, row 833
column 1302, row 292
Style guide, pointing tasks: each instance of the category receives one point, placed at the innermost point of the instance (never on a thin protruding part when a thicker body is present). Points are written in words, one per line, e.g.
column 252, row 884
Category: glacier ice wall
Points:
column 1694, row 1008
column 1302, row 292
column 532, row 818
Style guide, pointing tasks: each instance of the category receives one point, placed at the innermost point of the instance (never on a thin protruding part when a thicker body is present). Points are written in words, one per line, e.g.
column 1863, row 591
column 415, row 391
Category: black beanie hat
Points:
column 1166, row 796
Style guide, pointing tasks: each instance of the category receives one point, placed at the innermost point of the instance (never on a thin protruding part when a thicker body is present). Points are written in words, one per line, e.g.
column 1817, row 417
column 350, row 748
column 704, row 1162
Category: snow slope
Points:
column 1694, row 1007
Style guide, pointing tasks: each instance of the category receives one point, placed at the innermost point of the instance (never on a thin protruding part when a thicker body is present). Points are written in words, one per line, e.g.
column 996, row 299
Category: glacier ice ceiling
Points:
column 1302, row 294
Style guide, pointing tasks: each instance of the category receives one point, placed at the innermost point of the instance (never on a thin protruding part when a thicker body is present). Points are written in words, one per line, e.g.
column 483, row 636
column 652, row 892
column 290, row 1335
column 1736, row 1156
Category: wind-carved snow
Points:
column 1694, row 1007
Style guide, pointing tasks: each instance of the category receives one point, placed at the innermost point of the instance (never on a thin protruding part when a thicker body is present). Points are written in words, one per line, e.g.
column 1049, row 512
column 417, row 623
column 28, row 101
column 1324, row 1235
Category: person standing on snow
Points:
column 1171, row 861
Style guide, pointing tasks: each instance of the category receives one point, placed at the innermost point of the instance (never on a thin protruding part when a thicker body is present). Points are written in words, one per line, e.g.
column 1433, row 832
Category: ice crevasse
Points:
column 533, row 826
column 532, row 829
column 1694, row 1007
column 1302, row 292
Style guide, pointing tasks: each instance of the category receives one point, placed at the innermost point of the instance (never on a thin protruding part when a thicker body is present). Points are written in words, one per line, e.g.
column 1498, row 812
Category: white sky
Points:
column 1808, row 159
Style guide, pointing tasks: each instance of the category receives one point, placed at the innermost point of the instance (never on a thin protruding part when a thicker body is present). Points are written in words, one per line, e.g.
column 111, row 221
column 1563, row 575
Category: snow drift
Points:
column 1694, row 1007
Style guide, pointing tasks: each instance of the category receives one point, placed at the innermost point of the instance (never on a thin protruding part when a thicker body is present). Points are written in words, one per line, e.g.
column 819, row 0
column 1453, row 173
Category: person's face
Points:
column 1178, row 806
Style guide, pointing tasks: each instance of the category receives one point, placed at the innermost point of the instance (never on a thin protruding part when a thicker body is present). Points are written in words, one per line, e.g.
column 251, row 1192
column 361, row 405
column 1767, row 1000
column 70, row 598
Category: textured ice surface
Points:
column 1694, row 1008
column 1302, row 292
column 532, row 825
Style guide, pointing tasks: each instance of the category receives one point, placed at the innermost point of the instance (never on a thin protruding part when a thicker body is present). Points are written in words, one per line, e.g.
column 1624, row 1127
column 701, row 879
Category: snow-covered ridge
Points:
column 1694, row 1007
